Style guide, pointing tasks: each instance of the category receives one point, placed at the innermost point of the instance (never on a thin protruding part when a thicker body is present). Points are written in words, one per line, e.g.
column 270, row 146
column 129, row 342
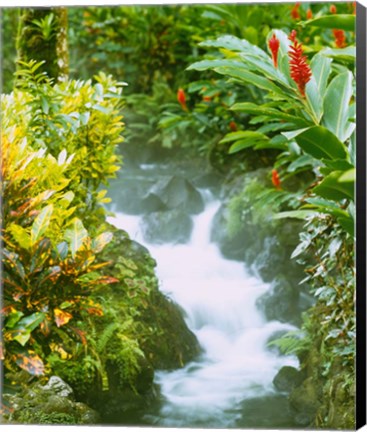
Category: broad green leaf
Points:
column 347, row 223
column 20, row 235
column 41, row 224
column 314, row 100
column 339, row 21
column 248, row 77
column 233, row 43
column 244, row 143
column 321, row 68
column 66, row 199
column 292, row 134
column 234, row 136
column 211, row 64
column 272, row 113
column 31, row 322
column 347, row 54
column 316, row 87
column 295, row 214
column 332, row 188
column 348, row 176
column 76, row 236
column 320, row 143
column 21, row 336
column 13, row 318
column 301, row 162
column 337, row 164
column 336, row 105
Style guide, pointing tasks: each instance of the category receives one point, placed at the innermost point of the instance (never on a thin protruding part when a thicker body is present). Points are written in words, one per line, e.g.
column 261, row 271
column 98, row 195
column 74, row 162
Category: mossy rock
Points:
column 305, row 401
column 174, row 344
column 49, row 404
column 287, row 379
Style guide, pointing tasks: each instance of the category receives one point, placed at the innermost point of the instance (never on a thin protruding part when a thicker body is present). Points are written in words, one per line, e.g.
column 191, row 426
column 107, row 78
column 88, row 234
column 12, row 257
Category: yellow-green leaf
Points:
column 41, row 224
column 76, row 236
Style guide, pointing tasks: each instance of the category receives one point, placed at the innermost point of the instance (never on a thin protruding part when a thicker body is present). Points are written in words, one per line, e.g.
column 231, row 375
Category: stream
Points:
column 230, row 384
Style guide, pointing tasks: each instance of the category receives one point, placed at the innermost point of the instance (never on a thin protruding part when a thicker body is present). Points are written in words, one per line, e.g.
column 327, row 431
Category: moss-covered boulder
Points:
column 53, row 403
column 139, row 331
column 287, row 379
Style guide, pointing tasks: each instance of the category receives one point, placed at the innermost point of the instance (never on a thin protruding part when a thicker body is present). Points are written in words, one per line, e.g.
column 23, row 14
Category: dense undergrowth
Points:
column 265, row 95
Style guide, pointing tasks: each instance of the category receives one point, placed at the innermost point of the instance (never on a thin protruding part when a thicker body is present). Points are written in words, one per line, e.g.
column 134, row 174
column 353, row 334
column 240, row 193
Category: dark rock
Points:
column 176, row 345
column 172, row 226
column 231, row 247
column 209, row 180
column 58, row 404
column 304, row 401
column 86, row 414
column 48, row 404
column 177, row 193
column 280, row 302
column 287, row 379
column 267, row 412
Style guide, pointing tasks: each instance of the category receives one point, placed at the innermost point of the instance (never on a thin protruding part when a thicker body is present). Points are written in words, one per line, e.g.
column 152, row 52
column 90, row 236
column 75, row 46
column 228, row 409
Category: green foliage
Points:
column 73, row 118
column 50, row 263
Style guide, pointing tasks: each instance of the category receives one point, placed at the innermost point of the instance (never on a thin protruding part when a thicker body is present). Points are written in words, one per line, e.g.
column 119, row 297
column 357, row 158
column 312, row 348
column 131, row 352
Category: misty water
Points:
column 230, row 384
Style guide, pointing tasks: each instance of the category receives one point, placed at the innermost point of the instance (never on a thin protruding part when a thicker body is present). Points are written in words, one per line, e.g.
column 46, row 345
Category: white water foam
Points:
column 219, row 299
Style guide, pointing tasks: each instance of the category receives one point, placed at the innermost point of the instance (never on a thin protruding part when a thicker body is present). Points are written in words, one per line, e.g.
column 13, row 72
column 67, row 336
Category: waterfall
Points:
column 219, row 300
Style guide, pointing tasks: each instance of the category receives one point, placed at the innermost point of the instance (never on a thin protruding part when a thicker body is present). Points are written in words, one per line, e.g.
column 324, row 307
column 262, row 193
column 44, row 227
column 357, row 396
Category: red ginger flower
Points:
column 309, row 14
column 181, row 98
column 294, row 12
column 274, row 48
column 275, row 179
column 300, row 70
column 233, row 126
column 339, row 36
column 332, row 9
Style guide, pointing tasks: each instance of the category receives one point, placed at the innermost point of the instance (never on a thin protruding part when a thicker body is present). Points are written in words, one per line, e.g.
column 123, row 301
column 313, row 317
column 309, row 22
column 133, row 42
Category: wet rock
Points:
column 52, row 403
column 287, row 379
column 280, row 303
column 231, row 247
column 304, row 402
column 177, row 193
column 176, row 345
column 59, row 387
column 58, row 404
column 267, row 412
column 172, row 226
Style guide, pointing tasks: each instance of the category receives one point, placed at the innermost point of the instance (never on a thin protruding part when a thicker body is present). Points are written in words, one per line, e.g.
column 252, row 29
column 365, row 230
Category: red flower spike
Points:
column 233, row 126
column 333, row 9
column 295, row 12
column 300, row 70
column 339, row 36
column 309, row 14
column 275, row 179
column 181, row 98
column 274, row 48
column 292, row 36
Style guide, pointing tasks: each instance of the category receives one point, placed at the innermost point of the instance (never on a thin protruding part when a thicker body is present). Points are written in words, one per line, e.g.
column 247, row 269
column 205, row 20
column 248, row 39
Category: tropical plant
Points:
column 76, row 117
column 309, row 116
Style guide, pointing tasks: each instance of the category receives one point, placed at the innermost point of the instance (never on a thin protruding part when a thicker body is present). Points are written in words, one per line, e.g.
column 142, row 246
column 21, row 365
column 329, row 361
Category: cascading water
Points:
column 219, row 300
